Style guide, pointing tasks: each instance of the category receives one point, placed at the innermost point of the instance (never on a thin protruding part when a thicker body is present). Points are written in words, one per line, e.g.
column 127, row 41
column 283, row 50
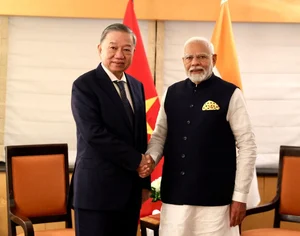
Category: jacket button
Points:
column 184, row 138
column 188, row 122
column 182, row 173
column 192, row 105
column 183, row 156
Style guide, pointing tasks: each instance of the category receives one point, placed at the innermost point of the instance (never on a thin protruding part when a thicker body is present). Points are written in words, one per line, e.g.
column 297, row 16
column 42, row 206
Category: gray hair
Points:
column 120, row 28
column 209, row 45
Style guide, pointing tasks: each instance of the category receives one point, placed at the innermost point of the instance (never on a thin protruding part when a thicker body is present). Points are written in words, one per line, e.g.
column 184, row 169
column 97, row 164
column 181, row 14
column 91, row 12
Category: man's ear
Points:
column 99, row 49
column 214, row 58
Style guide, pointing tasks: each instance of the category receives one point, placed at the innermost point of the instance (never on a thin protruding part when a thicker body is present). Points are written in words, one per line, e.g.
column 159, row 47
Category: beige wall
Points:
column 267, row 186
column 3, row 70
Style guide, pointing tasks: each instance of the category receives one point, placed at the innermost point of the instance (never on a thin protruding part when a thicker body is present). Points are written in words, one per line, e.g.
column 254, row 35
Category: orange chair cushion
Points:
column 290, row 192
column 55, row 232
column 39, row 185
column 270, row 232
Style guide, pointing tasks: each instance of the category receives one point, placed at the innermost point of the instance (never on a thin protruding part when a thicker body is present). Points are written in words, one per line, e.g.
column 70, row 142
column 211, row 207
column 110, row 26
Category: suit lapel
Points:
column 137, row 101
column 134, row 92
column 110, row 90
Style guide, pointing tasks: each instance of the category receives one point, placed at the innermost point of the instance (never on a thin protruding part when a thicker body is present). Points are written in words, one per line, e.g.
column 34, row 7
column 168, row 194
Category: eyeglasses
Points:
column 199, row 57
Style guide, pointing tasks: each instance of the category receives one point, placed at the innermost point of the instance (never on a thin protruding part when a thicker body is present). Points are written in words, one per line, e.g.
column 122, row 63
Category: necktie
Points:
column 125, row 101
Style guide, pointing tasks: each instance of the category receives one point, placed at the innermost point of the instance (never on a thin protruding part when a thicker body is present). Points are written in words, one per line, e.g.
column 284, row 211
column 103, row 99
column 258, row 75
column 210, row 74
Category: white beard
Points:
column 198, row 78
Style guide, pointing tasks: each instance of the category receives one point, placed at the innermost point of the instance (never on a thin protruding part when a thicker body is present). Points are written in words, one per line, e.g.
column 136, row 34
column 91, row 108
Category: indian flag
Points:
column 223, row 41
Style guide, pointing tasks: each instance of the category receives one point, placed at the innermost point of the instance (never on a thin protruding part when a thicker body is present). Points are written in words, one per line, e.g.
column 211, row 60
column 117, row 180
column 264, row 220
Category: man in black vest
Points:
column 201, row 123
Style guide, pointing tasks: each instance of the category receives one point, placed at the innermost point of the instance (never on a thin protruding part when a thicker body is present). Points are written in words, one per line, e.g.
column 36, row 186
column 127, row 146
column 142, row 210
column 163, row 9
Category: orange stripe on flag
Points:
column 223, row 41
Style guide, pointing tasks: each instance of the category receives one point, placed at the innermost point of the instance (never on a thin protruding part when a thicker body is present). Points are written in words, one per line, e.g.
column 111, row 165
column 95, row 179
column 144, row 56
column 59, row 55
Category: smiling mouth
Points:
column 197, row 71
column 119, row 63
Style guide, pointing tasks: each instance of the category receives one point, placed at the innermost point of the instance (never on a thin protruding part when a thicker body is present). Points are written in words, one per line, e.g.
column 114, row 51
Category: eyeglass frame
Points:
column 190, row 57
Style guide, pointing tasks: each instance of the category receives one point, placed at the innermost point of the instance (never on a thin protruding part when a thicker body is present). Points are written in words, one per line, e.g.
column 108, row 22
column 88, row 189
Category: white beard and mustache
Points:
column 198, row 78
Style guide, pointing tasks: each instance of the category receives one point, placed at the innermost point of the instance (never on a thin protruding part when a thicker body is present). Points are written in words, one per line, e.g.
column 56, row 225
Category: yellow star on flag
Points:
column 149, row 104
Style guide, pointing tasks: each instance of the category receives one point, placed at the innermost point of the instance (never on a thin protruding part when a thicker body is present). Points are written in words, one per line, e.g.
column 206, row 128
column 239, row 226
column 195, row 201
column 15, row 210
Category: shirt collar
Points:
column 112, row 76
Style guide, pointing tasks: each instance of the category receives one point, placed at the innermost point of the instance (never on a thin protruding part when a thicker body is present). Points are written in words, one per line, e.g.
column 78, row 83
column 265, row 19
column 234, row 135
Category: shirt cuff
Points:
column 154, row 156
column 239, row 197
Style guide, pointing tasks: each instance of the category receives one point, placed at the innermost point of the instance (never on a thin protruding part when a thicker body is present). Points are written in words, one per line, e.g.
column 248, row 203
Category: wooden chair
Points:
column 150, row 222
column 287, row 200
column 37, row 188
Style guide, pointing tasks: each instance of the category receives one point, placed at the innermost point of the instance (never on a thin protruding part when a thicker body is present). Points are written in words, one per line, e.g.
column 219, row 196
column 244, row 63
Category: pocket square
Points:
column 210, row 105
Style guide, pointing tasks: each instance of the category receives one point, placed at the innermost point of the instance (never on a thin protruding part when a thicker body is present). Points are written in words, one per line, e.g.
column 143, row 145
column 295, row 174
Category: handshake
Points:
column 146, row 166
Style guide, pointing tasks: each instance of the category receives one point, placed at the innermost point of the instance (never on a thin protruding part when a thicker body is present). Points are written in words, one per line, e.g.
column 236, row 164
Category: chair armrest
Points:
column 24, row 222
column 263, row 208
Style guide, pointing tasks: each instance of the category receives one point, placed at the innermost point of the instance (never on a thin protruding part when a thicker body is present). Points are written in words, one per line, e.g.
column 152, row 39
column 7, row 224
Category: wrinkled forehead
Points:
column 197, row 47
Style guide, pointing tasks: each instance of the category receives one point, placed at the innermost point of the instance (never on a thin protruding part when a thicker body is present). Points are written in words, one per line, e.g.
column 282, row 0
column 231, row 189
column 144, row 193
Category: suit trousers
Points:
column 106, row 223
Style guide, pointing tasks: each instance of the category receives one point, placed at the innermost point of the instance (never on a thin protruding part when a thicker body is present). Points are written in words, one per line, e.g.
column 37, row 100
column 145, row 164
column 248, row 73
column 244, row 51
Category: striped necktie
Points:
column 125, row 101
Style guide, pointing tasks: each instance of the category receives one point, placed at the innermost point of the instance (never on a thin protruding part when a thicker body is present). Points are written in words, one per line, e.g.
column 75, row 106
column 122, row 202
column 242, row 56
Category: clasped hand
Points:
column 146, row 166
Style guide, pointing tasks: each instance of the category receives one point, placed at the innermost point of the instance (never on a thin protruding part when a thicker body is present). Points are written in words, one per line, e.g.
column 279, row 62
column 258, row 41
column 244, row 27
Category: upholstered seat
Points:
column 37, row 188
column 56, row 232
column 286, row 204
column 271, row 232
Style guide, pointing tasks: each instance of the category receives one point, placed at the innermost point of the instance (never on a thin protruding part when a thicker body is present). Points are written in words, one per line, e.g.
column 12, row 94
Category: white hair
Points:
column 209, row 45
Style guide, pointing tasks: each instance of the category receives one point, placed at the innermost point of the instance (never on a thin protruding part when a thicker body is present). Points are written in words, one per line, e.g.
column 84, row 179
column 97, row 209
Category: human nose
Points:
column 195, row 61
column 119, row 54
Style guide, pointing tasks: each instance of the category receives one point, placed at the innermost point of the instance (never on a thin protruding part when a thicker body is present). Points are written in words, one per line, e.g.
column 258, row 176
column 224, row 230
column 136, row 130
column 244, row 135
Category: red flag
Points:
column 140, row 70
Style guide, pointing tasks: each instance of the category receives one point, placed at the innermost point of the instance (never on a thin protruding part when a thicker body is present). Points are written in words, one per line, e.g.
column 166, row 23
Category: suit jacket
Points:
column 108, row 147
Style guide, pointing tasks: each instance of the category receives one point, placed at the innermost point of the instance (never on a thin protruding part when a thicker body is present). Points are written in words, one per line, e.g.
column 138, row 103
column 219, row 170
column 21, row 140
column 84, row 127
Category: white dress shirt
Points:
column 239, row 121
column 114, row 78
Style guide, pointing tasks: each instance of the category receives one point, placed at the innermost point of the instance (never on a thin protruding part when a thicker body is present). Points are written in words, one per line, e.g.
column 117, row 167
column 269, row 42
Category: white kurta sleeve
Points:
column 240, row 124
column 158, row 137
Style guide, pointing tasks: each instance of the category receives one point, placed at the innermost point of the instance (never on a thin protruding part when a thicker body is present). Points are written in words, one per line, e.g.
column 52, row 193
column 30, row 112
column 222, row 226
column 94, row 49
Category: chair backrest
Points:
column 288, row 186
column 38, row 182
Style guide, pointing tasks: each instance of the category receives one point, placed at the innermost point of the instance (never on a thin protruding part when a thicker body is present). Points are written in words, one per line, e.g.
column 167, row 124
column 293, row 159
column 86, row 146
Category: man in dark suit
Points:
column 109, row 110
